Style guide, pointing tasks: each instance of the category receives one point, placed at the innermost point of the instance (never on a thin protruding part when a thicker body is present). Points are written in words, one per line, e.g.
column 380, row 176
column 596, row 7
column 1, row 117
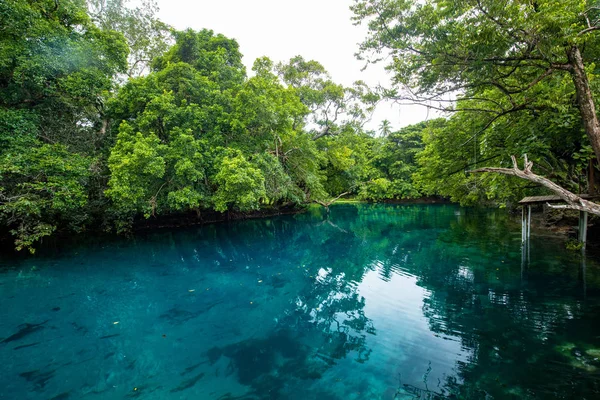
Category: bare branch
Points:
column 573, row 201
column 590, row 29
column 326, row 204
column 407, row 102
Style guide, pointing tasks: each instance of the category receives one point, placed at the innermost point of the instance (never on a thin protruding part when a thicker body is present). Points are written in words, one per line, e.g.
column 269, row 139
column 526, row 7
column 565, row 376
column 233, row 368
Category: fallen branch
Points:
column 326, row 204
column 574, row 202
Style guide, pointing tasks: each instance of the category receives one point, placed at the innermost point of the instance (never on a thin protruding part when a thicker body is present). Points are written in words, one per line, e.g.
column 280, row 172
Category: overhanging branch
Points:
column 574, row 202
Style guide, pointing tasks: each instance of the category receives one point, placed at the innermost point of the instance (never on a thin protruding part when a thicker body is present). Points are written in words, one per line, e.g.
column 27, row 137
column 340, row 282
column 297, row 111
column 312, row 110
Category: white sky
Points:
column 318, row 30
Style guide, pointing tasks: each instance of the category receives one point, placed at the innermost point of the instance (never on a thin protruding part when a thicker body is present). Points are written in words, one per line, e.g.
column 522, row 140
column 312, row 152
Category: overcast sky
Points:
column 320, row 30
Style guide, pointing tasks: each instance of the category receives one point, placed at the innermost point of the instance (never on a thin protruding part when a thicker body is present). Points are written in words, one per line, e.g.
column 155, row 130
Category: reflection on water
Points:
column 372, row 302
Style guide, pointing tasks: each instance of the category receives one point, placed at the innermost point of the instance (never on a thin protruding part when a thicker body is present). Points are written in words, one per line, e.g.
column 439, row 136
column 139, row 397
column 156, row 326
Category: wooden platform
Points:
column 550, row 199
column 533, row 200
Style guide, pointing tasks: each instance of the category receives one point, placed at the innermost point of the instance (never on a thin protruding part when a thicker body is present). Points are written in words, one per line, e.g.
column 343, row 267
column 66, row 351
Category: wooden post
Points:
column 525, row 256
column 528, row 221
column 522, row 260
column 523, row 225
column 583, row 224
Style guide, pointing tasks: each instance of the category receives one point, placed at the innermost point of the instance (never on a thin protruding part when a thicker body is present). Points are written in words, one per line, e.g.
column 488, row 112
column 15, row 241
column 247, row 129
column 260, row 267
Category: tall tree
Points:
column 56, row 67
column 332, row 105
column 213, row 55
column 385, row 128
column 197, row 134
column 147, row 36
column 495, row 54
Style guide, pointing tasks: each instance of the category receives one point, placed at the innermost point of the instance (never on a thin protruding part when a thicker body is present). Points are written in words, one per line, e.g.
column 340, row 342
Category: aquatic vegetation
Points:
column 573, row 245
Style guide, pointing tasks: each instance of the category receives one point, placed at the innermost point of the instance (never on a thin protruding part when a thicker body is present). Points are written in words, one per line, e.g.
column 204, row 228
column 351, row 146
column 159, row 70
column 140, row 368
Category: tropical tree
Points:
column 497, row 56
column 385, row 128
column 146, row 36
column 56, row 70
column 174, row 126
column 332, row 106
column 196, row 134
column 392, row 164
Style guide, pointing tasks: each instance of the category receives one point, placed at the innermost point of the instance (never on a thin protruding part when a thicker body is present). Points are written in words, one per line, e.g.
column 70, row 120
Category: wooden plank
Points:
column 550, row 199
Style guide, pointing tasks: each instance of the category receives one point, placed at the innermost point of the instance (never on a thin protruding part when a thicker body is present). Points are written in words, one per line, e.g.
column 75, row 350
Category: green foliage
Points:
column 214, row 56
column 347, row 157
column 510, row 66
column 333, row 107
column 303, row 162
column 161, row 159
column 137, row 165
column 56, row 68
column 573, row 245
column 382, row 168
column 278, row 184
column 376, row 189
column 499, row 43
column 188, row 131
column 149, row 175
column 146, row 36
column 460, row 144
column 197, row 134
column 241, row 185
column 58, row 64
column 42, row 187
column 193, row 134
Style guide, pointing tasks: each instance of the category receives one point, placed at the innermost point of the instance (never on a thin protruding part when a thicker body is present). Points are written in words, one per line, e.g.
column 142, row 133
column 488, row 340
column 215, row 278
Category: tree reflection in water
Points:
column 367, row 302
column 510, row 323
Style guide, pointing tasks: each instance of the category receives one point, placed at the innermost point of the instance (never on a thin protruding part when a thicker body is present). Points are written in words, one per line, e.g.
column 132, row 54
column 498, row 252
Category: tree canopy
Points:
column 56, row 68
column 522, row 71
column 109, row 116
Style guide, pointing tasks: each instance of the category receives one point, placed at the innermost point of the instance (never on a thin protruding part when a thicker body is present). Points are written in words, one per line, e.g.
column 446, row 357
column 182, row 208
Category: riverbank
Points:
column 193, row 218
column 180, row 220
column 545, row 221
column 143, row 225
column 420, row 200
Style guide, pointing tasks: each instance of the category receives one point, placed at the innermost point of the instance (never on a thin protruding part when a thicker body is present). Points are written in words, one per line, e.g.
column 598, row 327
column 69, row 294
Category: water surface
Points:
column 372, row 302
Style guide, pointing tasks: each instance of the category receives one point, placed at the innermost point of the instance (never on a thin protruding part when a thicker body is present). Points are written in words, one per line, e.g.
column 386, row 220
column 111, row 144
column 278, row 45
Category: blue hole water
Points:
column 370, row 302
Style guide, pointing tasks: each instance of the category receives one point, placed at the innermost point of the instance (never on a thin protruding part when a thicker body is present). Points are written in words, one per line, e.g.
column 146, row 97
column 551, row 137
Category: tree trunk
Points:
column 326, row 204
column 585, row 99
column 592, row 177
column 587, row 109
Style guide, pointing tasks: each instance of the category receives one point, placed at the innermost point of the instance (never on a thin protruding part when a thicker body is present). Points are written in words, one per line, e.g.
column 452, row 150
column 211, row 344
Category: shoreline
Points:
column 141, row 226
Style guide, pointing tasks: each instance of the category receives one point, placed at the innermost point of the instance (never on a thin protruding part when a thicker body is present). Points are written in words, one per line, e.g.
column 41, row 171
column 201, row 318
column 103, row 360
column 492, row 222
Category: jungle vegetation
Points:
column 108, row 116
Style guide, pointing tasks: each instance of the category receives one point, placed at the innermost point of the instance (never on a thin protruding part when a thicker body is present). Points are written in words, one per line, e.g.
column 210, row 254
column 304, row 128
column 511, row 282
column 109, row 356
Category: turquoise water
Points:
column 374, row 302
